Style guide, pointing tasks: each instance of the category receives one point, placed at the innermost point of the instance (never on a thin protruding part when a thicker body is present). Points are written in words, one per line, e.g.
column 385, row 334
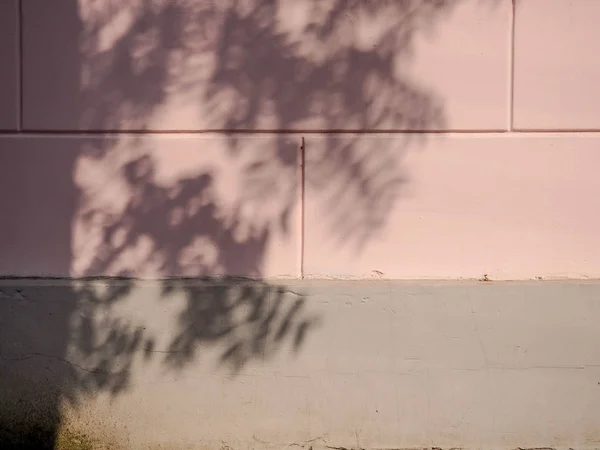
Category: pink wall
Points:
column 300, row 138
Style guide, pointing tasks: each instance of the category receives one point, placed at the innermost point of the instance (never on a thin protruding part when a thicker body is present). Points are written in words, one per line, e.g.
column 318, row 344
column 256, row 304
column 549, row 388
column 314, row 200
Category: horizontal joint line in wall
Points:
column 240, row 131
column 109, row 133
column 556, row 130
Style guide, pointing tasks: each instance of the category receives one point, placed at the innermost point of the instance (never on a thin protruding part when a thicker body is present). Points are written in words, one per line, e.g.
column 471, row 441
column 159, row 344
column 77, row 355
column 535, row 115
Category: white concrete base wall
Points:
column 339, row 364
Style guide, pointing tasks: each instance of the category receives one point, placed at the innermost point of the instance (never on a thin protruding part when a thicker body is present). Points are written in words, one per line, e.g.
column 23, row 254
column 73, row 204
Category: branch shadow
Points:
column 144, row 66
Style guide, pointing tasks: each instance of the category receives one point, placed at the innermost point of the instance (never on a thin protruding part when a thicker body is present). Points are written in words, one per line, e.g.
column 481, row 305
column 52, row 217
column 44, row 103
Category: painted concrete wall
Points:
column 283, row 140
column 150, row 138
column 372, row 364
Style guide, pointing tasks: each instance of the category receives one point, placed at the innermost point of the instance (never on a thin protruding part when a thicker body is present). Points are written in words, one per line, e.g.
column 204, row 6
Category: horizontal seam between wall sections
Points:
column 557, row 130
column 260, row 131
column 109, row 134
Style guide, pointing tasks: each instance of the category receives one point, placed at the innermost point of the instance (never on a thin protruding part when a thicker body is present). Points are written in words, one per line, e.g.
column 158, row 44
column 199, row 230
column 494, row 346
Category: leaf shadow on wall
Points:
column 129, row 205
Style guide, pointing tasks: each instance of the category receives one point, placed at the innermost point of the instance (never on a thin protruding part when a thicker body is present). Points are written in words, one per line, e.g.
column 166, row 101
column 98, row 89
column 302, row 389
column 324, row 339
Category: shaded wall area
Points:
column 89, row 189
column 68, row 344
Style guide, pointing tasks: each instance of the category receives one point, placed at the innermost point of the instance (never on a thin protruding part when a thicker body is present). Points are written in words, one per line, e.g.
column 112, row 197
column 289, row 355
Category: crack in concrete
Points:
column 57, row 358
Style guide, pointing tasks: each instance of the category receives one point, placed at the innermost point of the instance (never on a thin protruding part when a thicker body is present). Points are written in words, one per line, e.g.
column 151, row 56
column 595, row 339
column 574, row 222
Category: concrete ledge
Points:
column 252, row 364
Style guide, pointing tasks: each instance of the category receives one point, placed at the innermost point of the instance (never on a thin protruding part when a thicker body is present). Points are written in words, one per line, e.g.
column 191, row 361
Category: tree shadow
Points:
column 114, row 206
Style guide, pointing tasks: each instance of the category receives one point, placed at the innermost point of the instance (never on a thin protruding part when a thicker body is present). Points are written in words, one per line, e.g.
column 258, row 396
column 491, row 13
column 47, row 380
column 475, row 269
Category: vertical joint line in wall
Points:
column 19, row 50
column 511, row 63
column 301, row 212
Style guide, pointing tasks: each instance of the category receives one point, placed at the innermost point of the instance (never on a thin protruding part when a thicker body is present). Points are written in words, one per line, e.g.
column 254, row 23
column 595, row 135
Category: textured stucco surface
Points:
column 300, row 139
column 379, row 364
column 291, row 138
column 555, row 73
